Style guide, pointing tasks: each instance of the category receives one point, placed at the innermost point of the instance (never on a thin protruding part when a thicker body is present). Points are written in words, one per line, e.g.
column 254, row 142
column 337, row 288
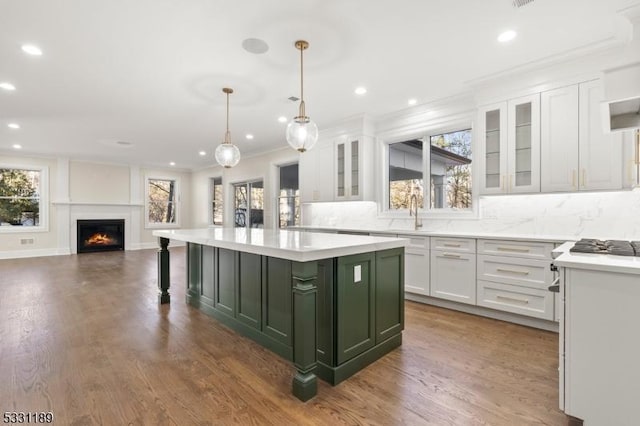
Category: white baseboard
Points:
column 19, row 254
column 485, row 312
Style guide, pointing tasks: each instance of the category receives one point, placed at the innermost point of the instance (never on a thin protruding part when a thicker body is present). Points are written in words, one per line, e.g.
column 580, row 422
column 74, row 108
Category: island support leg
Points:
column 163, row 271
column 305, row 382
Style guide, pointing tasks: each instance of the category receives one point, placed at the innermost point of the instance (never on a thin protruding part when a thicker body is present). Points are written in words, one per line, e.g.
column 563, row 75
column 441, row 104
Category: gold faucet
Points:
column 413, row 210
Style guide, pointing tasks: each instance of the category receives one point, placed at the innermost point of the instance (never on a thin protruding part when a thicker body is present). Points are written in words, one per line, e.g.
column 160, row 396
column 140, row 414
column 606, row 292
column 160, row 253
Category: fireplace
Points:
column 100, row 235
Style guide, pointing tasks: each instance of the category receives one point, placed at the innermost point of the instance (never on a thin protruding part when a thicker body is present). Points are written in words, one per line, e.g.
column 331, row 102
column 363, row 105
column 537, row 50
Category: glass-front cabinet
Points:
column 510, row 140
column 348, row 174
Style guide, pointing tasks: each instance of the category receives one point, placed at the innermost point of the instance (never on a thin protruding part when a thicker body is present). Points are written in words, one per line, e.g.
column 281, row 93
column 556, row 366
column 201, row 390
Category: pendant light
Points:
column 302, row 133
column 227, row 154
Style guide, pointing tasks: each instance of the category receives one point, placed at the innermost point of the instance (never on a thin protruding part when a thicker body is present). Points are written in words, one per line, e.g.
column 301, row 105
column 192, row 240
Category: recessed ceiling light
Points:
column 31, row 49
column 202, row 153
column 172, row 163
column 7, row 86
column 282, row 119
column 412, row 101
column 507, row 36
column 17, row 146
column 360, row 90
column 13, row 125
column 249, row 136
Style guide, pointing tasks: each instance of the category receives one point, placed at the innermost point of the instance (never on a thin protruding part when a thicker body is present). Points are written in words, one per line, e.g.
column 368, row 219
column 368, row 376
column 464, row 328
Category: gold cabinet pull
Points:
column 455, row 256
column 516, row 249
column 451, row 245
column 513, row 299
column 512, row 271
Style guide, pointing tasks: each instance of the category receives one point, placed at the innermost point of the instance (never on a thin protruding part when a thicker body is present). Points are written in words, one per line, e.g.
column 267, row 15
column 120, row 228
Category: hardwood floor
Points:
column 83, row 337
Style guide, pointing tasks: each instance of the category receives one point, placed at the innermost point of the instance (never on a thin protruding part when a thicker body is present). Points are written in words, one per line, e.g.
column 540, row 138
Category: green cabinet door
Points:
column 389, row 293
column 276, row 300
column 206, row 292
column 355, row 305
column 225, row 284
column 194, row 269
column 250, row 290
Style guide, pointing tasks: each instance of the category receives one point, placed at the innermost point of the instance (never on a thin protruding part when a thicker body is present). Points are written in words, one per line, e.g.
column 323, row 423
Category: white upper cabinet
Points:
column 492, row 124
column 354, row 167
column 559, row 140
column 510, row 146
column 523, row 144
column 316, row 173
column 576, row 154
column 600, row 153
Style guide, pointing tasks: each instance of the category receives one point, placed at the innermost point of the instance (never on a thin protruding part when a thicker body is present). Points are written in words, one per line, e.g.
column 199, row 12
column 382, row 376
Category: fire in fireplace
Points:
column 100, row 235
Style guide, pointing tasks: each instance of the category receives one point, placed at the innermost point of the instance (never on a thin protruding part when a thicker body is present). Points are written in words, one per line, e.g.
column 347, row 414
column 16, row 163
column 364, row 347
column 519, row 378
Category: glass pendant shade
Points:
column 227, row 155
column 302, row 133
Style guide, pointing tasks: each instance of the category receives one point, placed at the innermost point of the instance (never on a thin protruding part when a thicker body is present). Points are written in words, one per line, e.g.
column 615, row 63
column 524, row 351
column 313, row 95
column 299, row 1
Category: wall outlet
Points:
column 24, row 241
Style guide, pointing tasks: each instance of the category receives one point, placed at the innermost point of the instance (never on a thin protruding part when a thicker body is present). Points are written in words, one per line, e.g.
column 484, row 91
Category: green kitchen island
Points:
column 331, row 303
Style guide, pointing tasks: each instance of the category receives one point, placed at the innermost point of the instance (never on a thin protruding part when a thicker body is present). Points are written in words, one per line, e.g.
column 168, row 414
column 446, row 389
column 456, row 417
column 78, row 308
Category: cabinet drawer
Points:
column 510, row 270
column 416, row 242
column 453, row 276
column 466, row 245
column 516, row 299
column 528, row 249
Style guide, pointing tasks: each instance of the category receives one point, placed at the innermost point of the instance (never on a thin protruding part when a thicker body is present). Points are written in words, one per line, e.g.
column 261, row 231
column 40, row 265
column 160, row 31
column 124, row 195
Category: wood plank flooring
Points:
column 82, row 336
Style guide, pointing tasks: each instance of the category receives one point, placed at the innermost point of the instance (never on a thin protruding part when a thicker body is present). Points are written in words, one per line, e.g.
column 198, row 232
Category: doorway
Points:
column 249, row 204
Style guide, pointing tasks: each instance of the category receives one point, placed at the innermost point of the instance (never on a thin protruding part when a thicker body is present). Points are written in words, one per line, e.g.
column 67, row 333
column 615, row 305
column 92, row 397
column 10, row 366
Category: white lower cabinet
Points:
column 416, row 265
column 453, row 275
column 517, row 281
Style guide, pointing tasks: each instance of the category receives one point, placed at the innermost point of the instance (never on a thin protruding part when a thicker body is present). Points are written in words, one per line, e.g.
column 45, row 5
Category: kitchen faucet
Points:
column 413, row 211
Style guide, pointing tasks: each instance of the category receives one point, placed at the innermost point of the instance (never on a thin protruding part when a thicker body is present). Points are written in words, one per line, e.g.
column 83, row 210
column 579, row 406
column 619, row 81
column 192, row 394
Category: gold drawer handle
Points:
column 516, row 249
column 455, row 256
column 451, row 245
column 512, row 271
column 513, row 299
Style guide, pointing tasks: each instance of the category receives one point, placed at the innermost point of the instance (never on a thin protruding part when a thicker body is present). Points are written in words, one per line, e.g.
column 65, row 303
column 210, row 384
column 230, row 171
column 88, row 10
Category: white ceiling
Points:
column 150, row 72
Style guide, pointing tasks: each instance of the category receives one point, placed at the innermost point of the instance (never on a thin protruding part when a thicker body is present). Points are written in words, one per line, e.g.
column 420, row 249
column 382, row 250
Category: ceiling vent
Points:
column 519, row 3
column 293, row 99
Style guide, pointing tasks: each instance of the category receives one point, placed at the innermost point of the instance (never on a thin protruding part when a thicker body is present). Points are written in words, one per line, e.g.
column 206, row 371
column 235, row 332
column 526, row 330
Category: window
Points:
column 451, row 170
column 162, row 206
column 447, row 162
column 216, row 201
column 21, row 205
column 249, row 204
column 288, row 197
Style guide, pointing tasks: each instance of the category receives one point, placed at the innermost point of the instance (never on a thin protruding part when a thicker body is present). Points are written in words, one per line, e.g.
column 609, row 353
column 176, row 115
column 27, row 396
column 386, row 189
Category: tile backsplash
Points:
column 612, row 215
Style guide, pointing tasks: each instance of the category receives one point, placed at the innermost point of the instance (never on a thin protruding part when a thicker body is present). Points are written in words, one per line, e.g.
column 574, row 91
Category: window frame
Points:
column 212, row 185
column 279, row 197
column 177, row 202
column 426, row 211
column 43, row 200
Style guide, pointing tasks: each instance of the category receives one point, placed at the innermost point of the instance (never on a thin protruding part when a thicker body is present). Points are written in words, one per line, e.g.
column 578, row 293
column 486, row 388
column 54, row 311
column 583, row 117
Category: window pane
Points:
column 405, row 174
column 19, row 197
column 216, row 199
column 162, row 201
column 288, row 198
column 451, row 170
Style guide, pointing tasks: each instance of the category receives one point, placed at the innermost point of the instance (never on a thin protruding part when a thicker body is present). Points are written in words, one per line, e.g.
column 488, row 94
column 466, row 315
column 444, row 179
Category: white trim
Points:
column 20, row 254
column 43, row 190
column 177, row 201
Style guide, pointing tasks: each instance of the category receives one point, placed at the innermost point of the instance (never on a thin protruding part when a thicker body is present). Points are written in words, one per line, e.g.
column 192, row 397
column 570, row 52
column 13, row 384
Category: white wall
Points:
column 98, row 183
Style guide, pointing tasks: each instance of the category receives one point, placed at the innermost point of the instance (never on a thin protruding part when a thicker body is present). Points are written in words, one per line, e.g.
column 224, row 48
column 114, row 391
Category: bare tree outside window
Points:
column 451, row 178
column 161, row 202
column 19, row 197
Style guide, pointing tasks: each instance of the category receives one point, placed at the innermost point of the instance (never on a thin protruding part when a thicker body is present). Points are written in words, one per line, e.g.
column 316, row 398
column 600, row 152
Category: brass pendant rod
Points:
column 301, row 75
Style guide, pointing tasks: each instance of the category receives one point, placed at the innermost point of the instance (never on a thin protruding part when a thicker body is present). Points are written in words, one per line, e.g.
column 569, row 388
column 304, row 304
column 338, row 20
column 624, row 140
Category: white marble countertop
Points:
column 596, row 262
column 296, row 245
column 453, row 234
